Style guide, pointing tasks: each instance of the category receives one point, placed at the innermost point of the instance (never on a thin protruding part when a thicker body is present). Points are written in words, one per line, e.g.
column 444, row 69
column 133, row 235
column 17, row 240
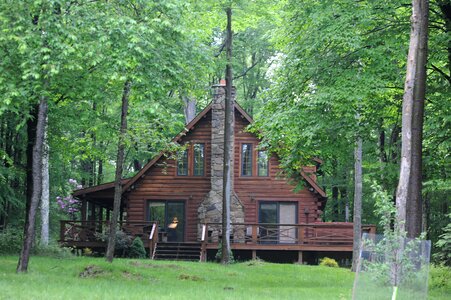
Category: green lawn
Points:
column 93, row 278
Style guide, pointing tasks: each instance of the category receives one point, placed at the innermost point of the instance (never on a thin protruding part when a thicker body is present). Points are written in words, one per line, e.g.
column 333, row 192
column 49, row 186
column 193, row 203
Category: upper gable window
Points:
column 191, row 161
column 199, row 159
column 182, row 163
column 262, row 163
column 246, row 159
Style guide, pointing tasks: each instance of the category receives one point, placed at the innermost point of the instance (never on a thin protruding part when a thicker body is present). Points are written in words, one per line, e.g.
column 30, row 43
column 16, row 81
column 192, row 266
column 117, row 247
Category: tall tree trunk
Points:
column 118, row 177
column 408, row 194
column 189, row 108
column 357, row 203
column 45, row 198
column 228, row 146
column 22, row 265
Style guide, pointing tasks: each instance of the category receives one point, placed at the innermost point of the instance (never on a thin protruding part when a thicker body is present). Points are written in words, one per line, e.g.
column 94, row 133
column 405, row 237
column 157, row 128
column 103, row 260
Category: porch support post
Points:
column 254, row 254
column 300, row 257
column 100, row 217
column 83, row 209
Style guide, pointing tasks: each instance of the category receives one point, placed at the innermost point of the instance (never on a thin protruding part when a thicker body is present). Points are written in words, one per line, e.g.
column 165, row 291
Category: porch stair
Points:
column 177, row 251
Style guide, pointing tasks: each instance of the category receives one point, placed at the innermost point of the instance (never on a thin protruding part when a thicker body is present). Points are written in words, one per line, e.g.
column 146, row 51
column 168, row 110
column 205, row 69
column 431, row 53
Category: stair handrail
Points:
column 203, row 251
column 153, row 239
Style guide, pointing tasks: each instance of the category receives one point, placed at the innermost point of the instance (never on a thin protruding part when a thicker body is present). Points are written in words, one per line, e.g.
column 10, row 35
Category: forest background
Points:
column 303, row 69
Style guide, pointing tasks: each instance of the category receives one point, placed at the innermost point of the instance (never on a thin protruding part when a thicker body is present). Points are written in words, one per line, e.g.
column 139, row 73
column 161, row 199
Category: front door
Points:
column 278, row 213
column 171, row 218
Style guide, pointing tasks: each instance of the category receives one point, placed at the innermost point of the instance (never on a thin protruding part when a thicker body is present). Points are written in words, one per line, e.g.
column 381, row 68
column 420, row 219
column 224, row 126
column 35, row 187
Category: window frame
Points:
column 252, row 164
column 191, row 160
column 185, row 151
column 258, row 164
column 255, row 152
column 194, row 159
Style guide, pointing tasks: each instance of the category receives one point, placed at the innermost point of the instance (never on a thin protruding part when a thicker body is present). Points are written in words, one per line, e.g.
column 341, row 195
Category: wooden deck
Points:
column 331, row 237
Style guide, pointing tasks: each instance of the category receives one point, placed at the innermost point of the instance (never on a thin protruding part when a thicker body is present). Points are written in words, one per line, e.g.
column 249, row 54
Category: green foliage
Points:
column 137, row 249
column 443, row 255
column 439, row 278
column 53, row 250
column 218, row 256
column 10, row 240
column 328, row 262
column 123, row 242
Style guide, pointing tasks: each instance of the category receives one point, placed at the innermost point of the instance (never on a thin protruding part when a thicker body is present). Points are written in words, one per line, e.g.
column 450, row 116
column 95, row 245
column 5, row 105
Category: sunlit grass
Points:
column 51, row 278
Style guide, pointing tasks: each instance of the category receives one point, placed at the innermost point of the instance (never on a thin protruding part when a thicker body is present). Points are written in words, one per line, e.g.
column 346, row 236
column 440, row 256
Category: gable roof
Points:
column 129, row 182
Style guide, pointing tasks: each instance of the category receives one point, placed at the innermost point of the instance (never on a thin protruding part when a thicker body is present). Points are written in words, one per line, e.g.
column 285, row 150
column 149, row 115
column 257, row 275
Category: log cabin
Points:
column 174, row 203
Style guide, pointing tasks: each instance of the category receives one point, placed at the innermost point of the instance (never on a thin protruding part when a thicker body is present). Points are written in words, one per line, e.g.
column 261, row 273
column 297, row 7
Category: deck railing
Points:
column 77, row 232
column 339, row 234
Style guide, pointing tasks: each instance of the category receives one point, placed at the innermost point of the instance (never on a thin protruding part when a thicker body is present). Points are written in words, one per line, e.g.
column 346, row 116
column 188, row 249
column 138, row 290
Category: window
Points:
column 182, row 163
column 277, row 219
column 246, row 159
column 262, row 163
column 199, row 159
column 191, row 161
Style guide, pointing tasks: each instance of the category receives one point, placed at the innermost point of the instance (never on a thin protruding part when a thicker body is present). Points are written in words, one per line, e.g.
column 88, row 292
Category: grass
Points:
column 93, row 278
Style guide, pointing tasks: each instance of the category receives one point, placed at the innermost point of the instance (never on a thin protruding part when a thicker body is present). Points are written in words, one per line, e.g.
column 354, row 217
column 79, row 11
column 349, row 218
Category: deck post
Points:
column 300, row 257
column 301, row 234
column 254, row 235
column 254, row 254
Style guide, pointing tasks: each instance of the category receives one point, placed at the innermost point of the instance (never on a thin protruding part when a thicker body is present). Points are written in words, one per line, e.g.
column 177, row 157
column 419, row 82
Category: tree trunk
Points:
column 36, row 194
column 189, row 108
column 45, row 198
column 357, row 203
column 118, row 177
column 408, row 194
column 228, row 146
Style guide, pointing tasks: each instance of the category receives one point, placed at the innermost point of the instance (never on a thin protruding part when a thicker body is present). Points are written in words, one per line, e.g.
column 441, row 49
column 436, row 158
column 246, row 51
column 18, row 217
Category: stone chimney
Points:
column 210, row 210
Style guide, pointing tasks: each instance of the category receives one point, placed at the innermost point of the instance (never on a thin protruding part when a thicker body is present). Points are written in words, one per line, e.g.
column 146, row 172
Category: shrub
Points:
column 443, row 255
column 123, row 241
column 439, row 275
column 87, row 251
column 137, row 249
column 11, row 240
column 218, row 255
column 53, row 250
column 328, row 262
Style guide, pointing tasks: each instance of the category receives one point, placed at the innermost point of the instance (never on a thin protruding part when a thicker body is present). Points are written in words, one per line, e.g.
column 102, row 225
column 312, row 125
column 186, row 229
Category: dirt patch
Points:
column 91, row 271
column 190, row 277
column 131, row 276
column 145, row 265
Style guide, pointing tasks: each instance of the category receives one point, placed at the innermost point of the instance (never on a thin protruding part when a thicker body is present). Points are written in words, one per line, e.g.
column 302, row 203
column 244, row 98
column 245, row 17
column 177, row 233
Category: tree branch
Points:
column 447, row 77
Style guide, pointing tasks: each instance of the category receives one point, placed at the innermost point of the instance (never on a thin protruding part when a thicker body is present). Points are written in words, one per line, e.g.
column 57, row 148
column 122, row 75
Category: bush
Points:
column 11, row 240
column 328, row 262
column 137, row 249
column 439, row 275
column 123, row 241
column 53, row 250
column 218, row 255
column 443, row 255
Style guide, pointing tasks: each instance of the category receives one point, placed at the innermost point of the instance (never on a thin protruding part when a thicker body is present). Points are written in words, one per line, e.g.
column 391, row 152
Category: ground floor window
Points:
column 277, row 212
column 170, row 216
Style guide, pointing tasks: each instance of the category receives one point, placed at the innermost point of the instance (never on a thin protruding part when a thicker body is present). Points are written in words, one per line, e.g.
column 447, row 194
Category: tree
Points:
column 118, row 178
column 228, row 145
column 408, row 194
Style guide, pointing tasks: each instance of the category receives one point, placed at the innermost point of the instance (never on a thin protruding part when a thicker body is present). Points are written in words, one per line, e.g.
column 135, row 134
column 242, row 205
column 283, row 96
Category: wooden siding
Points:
column 161, row 183
column 253, row 190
